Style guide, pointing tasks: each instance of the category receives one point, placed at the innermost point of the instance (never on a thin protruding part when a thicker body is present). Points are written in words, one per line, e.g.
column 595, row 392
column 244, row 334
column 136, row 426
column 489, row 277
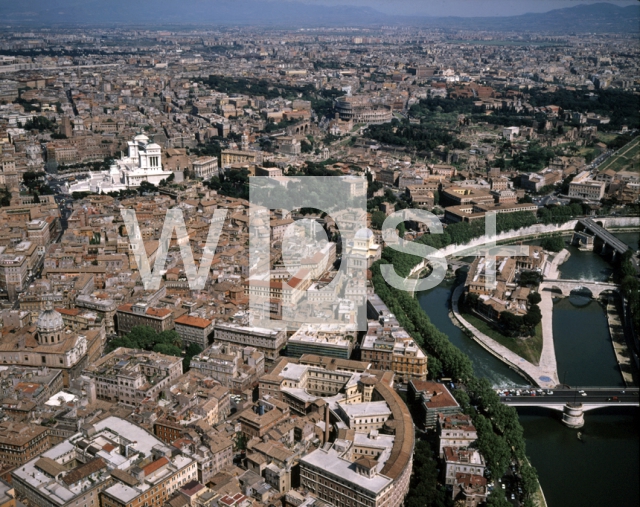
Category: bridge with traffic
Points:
column 592, row 235
column 574, row 402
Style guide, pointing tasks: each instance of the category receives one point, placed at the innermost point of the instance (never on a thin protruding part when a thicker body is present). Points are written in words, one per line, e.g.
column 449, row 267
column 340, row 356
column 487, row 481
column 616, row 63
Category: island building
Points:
column 505, row 295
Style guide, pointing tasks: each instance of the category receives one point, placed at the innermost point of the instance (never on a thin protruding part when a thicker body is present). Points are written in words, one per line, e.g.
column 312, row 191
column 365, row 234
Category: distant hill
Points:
column 596, row 18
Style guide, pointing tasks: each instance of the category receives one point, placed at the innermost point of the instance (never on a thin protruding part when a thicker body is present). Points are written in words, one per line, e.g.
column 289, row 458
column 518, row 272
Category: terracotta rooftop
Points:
column 187, row 320
column 156, row 465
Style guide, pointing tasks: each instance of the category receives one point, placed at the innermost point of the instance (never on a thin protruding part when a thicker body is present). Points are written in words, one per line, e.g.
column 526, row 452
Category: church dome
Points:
column 49, row 321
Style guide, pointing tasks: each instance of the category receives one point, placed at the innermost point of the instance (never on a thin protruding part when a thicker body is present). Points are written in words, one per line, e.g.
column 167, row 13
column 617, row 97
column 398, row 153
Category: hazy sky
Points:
column 465, row 7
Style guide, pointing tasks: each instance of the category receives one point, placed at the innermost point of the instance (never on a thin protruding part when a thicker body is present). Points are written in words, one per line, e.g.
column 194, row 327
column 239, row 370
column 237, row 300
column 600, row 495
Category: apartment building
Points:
column 583, row 187
column 229, row 157
column 21, row 442
column 330, row 340
column 392, row 348
column 131, row 376
column 154, row 482
column 129, row 316
column 467, row 461
column 38, row 231
column 432, row 399
column 112, row 462
column 14, row 270
column 456, row 432
column 235, row 367
column 205, row 167
column 29, row 384
column 212, row 455
column 268, row 341
column 168, row 430
column 260, row 418
column 470, row 212
column 102, row 305
column 194, row 330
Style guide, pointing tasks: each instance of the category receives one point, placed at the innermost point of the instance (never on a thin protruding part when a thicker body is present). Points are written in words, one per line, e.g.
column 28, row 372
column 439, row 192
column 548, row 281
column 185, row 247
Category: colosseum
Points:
column 361, row 109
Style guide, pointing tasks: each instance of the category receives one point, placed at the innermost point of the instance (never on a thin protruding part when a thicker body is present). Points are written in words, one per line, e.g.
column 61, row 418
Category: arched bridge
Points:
column 567, row 286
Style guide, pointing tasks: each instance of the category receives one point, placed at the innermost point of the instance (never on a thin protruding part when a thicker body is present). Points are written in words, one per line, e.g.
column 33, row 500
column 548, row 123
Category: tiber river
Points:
column 602, row 469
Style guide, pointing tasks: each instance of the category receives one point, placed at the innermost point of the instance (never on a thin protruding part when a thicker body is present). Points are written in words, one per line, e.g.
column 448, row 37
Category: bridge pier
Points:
column 573, row 415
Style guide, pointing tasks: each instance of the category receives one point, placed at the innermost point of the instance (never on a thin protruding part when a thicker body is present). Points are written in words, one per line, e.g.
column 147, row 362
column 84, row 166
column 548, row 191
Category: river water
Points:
column 601, row 470
column 436, row 303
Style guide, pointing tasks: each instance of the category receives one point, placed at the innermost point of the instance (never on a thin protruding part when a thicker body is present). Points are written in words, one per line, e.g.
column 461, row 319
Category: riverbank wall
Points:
column 619, row 341
column 612, row 223
column 544, row 376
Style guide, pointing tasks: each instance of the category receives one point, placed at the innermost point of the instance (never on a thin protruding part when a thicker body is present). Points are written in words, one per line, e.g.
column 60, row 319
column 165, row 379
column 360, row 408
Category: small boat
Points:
column 580, row 436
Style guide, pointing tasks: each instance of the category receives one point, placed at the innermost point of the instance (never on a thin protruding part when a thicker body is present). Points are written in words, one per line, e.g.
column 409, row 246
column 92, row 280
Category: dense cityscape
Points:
column 306, row 364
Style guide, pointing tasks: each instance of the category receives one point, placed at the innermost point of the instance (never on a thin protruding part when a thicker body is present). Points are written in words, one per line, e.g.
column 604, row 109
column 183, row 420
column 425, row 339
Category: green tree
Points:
column 377, row 219
column 192, row 350
column 534, row 298
column 553, row 243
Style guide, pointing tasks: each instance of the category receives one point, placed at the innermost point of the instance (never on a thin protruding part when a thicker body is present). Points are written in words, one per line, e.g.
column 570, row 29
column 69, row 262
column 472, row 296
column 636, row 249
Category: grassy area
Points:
column 626, row 159
column 528, row 348
column 606, row 137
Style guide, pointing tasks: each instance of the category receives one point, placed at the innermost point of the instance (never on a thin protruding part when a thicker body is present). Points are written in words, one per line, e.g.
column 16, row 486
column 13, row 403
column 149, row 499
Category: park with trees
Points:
column 167, row 342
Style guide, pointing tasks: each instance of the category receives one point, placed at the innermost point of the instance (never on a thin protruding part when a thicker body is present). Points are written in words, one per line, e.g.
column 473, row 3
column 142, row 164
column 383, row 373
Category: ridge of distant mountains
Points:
column 596, row 18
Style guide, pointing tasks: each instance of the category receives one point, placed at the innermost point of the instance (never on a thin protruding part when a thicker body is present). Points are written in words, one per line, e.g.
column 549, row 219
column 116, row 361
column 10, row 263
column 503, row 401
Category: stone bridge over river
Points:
column 568, row 286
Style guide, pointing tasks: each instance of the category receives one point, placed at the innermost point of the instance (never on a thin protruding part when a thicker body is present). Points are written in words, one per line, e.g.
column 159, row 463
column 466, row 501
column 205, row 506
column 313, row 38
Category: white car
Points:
column 582, row 393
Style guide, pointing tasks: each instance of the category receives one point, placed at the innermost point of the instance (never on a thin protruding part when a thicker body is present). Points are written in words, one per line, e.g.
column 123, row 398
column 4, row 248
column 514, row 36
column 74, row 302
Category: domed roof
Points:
column 49, row 320
column 364, row 233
